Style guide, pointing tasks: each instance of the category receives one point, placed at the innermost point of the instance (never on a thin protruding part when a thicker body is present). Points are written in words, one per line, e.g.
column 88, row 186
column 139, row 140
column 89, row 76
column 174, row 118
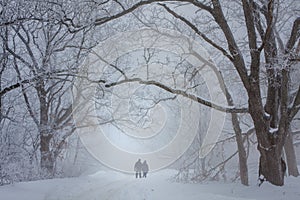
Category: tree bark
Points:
column 272, row 166
column 241, row 149
column 291, row 156
column 47, row 161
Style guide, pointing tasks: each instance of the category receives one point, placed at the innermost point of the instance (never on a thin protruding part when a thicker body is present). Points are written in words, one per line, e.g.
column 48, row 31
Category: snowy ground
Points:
column 115, row 186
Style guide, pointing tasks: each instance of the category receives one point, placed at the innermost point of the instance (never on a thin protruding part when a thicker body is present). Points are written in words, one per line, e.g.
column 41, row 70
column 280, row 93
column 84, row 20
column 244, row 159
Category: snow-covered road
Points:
column 124, row 187
column 108, row 185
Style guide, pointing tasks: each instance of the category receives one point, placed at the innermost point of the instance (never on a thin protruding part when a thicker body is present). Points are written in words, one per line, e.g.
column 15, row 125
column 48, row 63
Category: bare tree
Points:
column 44, row 42
column 44, row 55
column 63, row 26
column 271, row 118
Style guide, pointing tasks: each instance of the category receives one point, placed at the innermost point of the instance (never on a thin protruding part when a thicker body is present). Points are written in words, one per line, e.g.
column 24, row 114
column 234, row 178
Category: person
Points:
column 145, row 169
column 138, row 169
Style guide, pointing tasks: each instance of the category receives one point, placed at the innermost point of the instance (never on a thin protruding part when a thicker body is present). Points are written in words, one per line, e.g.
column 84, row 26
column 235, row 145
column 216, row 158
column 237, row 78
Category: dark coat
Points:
column 138, row 166
column 145, row 167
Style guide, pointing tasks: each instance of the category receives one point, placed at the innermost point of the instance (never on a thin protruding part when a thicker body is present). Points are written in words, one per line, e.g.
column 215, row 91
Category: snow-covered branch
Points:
column 182, row 93
column 197, row 31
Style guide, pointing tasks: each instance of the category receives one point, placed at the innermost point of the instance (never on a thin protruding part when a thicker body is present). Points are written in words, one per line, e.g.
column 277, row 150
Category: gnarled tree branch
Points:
column 180, row 92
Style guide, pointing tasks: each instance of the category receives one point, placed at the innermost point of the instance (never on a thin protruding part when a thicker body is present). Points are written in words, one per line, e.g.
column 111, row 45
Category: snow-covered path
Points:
column 124, row 187
column 108, row 185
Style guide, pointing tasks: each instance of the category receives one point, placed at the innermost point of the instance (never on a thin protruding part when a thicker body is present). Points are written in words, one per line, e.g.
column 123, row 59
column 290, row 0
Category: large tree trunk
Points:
column 291, row 156
column 47, row 161
column 272, row 166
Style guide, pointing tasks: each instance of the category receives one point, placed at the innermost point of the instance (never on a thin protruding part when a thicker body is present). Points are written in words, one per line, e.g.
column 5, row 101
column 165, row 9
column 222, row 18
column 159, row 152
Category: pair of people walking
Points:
column 140, row 167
